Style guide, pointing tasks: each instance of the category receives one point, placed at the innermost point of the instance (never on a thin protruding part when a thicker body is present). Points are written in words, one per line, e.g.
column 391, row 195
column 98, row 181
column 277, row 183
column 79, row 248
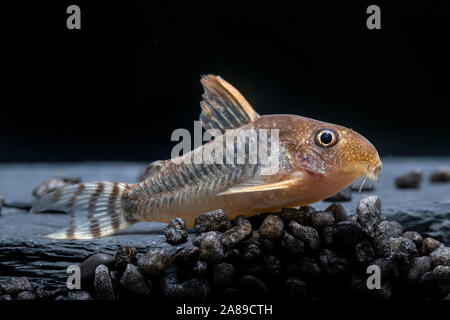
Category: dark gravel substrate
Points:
column 296, row 254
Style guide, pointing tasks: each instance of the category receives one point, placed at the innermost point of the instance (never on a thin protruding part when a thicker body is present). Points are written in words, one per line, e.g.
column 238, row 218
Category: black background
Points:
column 117, row 88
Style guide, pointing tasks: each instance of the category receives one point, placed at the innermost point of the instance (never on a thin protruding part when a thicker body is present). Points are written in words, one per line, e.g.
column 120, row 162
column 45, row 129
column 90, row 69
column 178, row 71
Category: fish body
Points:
column 311, row 160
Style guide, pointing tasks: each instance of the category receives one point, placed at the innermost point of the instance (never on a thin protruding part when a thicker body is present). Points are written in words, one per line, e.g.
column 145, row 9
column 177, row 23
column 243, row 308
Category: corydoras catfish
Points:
column 312, row 160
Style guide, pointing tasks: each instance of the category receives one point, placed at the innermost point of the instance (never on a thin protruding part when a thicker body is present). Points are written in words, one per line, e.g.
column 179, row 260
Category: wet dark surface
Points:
column 23, row 251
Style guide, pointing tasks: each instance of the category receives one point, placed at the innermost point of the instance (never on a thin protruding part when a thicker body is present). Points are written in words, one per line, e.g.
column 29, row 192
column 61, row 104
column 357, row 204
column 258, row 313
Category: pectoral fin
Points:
column 260, row 186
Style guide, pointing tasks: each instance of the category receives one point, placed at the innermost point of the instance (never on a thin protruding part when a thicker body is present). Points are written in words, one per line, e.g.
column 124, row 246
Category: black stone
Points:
column 15, row 285
column 369, row 203
column 291, row 245
column 186, row 256
column 347, row 234
column 272, row 266
column 192, row 289
column 440, row 257
column 403, row 248
column 198, row 270
column 103, row 287
column 369, row 221
column 409, row 180
column 232, row 255
column 251, row 251
column 272, row 227
column 389, row 229
column 176, row 232
column 124, row 256
column 301, row 215
column 231, row 295
column 381, row 246
column 54, row 184
column 414, row 237
column 211, row 249
column 322, row 219
column 333, row 263
column 26, row 295
column 223, row 274
column 308, row 235
column 155, row 261
column 135, row 281
column 88, row 266
column 306, row 267
column 418, row 267
column 252, row 285
column 338, row 211
column 216, row 220
column 295, row 288
column 269, row 245
column 388, row 266
column 79, row 295
column 169, row 279
column 236, row 234
column 429, row 245
column 441, row 174
column 364, row 253
column 326, row 236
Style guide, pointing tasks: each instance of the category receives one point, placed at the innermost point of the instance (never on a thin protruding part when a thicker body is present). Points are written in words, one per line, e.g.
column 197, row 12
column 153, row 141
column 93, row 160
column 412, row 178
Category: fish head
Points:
column 333, row 155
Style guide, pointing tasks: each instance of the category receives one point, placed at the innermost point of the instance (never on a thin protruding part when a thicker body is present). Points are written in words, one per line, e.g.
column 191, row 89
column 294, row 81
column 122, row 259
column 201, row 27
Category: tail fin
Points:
column 95, row 207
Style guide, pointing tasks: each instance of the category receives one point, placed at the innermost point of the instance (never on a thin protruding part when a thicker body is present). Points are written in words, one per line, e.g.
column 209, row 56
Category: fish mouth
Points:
column 372, row 172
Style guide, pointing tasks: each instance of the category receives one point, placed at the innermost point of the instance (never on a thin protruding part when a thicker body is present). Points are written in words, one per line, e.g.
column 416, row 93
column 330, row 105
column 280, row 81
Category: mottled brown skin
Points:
column 317, row 172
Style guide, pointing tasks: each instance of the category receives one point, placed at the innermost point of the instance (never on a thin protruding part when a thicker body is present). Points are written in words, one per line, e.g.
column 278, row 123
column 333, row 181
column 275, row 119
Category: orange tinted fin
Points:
column 223, row 107
column 257, row 186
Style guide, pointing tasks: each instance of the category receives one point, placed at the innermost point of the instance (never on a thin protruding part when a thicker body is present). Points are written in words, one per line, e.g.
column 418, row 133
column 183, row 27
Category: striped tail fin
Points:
column 95, row 208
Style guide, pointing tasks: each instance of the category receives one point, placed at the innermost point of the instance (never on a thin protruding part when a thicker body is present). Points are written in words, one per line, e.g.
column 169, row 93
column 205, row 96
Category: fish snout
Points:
column 374, row 171
column 362, row 156
column 370, row 156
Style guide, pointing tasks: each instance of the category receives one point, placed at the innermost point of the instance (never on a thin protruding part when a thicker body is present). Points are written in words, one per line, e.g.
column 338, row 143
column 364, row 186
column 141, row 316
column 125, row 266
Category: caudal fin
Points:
column 95, row 208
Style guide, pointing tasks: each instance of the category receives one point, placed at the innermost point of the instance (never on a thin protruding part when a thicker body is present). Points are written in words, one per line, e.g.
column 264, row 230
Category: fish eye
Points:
column 326, row 138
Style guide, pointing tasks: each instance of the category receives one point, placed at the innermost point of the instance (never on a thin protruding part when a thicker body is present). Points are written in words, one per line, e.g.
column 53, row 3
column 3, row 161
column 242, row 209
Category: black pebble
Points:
column 223, row 274
column 252, row 285
column 89, row 265
column 346, row 234
column 124, row 256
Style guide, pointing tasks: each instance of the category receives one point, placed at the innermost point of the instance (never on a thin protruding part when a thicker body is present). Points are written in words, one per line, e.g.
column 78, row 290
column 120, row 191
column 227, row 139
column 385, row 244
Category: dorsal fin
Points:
column 223, row 107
